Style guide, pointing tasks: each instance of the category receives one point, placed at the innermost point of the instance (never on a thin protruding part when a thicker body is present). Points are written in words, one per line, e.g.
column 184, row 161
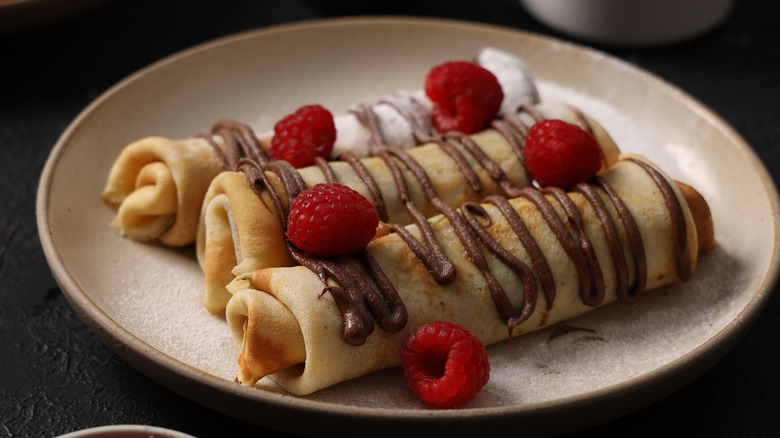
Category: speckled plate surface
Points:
column 143, row 300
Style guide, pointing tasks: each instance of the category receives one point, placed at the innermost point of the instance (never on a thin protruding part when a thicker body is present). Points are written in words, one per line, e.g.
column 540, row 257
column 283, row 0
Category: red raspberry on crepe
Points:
column 561, row 154
column 331, row 219
column 303, row 135
column 465, row 96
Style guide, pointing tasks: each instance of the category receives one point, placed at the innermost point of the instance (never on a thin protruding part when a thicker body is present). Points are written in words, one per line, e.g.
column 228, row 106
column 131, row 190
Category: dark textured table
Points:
column 55, row 376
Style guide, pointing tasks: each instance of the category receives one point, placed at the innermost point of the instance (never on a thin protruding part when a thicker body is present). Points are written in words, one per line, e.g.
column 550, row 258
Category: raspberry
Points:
column 307, row 133
column 561, row 154
column 465, row 96
column 331, row 219
column 445, row 364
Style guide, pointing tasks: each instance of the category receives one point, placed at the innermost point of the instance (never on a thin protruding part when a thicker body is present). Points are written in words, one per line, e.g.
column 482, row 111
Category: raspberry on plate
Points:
column 331, row 219
column 561, row 154
column 445, row 364
column 307, row 133
column 465, row 96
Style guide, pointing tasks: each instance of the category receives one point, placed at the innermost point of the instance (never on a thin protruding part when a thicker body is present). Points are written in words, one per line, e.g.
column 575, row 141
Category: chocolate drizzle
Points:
column 430, row 253
column 368, row 119
column 258, row 180
column 588, row 266
column 500, row 298
column 359, row 303
column 240, row 143
column 625, row 295
column 365, row 296
column 530, row 245
column 575, row 243
column 679, row 227
column 376, row 195
column 416, row 116
column 419, row 118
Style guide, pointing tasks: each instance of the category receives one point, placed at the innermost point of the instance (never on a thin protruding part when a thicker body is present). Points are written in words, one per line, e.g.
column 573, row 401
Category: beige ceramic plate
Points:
column 143, row 300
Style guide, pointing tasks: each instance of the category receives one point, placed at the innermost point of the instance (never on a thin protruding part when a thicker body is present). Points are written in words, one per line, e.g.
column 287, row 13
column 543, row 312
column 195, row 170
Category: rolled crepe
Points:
column 241, row 232
column 522, row 264
column 157, row 184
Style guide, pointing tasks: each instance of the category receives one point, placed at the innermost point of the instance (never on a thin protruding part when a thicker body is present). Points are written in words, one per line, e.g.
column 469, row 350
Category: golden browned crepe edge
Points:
column 702, row 216
column 222, row 256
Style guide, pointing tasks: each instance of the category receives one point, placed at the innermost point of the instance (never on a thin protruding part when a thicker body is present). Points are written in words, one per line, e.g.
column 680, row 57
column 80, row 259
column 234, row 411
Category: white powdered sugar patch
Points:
column 624, row 130
column 160, row 302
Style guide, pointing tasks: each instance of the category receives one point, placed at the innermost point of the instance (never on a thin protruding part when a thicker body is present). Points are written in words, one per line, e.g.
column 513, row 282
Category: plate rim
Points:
column 211, row 390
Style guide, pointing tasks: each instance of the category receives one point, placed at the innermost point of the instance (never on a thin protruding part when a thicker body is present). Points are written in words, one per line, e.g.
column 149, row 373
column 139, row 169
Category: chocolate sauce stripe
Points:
column 227, row 163
column 423, row 132
column 491, row 167
column 506, row 309
column 418, row 119
column 475, row 229
column 240, row 142
column 606, row 222
column 677, row 217
column 612, row 240
column 625, row 295
column 464, row 233
column 456, row 221
column 361, row 302
column 290, row 178
column 362, row 172
column 416, row 169
column 370, row 182
column 575, row 221
column 244, row 139
column 570, row 245
column 539, row 262
column 513, row 137
column 366, row 116
column 357, row 321
column 258, row 180
column 431, row 254
column 468, row 173
column 326, row 169
column 582, row 119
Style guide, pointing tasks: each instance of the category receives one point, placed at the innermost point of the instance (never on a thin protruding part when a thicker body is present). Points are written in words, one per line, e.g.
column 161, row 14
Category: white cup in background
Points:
column 630, row 22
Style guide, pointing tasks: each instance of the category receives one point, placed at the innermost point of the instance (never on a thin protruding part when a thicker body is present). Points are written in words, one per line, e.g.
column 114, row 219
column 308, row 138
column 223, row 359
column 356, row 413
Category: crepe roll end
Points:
column 267, row 332
column 702, row 217
column 150, row 209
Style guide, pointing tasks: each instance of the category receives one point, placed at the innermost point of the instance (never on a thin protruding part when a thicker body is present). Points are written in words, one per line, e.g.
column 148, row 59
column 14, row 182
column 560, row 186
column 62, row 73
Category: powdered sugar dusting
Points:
column 624, row 129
